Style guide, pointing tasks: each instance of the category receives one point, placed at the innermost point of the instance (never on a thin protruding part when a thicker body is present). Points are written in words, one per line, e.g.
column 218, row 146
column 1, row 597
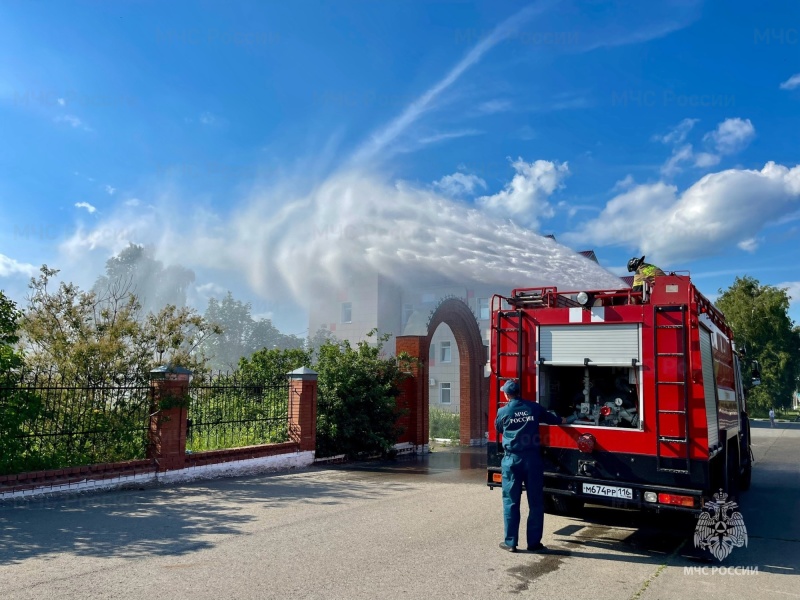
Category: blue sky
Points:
column 262, row 143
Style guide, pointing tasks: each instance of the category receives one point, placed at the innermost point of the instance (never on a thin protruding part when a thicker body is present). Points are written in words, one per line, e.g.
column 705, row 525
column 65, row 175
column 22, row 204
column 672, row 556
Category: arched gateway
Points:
column 454, row 313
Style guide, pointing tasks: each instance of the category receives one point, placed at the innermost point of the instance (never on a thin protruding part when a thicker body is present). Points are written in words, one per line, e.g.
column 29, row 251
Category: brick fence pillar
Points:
column 303, row 408
column 169, row 387
column 414, row 396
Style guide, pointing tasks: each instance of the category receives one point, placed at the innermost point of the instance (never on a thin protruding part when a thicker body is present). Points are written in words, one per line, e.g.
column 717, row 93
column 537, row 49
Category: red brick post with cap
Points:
column 169, row 387
column 303, row 408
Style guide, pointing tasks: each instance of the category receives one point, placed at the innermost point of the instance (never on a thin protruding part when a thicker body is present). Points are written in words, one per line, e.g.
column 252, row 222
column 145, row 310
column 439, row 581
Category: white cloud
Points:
column 679, row 155
column 132, row 202
column 494, row 106
column 791, row 83
column 71, row 120
column 525, row 197
column 678, row 134
column 207, row 118
column 717, row 213
column 749, row 245
column 448, row 135
column 62, row 102
column 792, row 289
column 110, row 190
column 459, row 184
column 732, row 135
column 706, row 159
column 10, row 267
column 380, row 140
column 211, row 290
column 85, row 205
column 624, row 184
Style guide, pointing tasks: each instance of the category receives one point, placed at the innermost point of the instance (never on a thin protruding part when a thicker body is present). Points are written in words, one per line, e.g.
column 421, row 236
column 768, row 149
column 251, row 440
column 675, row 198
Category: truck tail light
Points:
column 676, row 500
column 586, row 443
column 497, row 477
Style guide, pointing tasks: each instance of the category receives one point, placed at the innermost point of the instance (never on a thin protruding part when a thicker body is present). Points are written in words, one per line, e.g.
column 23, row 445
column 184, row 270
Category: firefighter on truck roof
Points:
column 643, row 272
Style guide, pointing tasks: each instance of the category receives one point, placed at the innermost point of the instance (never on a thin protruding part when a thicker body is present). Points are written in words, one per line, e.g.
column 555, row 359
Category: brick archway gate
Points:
column 473, row 407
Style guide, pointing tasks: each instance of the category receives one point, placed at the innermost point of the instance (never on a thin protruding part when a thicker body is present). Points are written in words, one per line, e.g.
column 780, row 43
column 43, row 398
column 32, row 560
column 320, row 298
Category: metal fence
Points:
column 228, row 412
column 49, row 423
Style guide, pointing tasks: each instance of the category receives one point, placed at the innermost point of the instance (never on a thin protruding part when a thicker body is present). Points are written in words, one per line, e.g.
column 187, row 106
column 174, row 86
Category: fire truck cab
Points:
column 653, row 380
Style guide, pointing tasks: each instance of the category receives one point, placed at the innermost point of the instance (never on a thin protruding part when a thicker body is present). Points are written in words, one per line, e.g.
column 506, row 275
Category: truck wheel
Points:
column 564, row 505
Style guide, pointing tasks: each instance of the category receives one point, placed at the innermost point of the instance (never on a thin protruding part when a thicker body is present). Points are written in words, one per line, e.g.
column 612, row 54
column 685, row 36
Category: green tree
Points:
column 17, row 406
column 357, row 394
column 763, row 331
column 91, row 338
column 241, row 334
column 136, row 269
column 10, row 315
column 269, row 366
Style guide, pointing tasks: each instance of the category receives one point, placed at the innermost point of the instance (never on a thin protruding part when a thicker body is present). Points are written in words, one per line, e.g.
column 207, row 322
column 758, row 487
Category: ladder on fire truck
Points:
column 508, row 344
column 670, row 334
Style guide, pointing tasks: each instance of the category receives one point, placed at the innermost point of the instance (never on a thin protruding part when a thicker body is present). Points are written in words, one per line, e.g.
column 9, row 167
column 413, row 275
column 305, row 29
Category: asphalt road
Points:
column 418, row 528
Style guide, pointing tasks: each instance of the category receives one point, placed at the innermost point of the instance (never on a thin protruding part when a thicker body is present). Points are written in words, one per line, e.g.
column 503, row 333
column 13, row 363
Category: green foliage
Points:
column 231, row 413
column 270, row 366
column 358, row 388
column 444, row 425
column 241, row 334
column 10, row 358
column 94, row 337
column 136, row 270
column 763, row 331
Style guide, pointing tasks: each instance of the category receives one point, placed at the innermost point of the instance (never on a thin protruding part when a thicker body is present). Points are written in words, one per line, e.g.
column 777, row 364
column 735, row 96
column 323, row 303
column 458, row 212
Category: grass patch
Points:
column 444, row 425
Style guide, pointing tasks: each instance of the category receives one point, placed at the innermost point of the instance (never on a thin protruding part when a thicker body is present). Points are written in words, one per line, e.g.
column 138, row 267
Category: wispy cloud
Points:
column 426, row 102
column 730, row 136
column 110, row 190
column 678, row 134
column 494, row 106
column 448, row 135
column 85, row 205
column 791, row 83
column 72, row 121
column 208, row 119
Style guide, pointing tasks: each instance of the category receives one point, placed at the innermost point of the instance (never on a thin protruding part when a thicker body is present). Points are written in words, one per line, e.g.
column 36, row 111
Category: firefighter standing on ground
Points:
column 518, row 423
column 644, row 272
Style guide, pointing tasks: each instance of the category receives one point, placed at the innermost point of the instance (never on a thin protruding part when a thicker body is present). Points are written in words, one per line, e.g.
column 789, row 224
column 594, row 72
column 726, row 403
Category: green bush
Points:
column 444, row 425
column 357, row 409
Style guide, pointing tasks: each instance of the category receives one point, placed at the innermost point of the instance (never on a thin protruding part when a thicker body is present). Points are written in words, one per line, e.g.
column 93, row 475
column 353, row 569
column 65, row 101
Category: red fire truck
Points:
column 653, row 379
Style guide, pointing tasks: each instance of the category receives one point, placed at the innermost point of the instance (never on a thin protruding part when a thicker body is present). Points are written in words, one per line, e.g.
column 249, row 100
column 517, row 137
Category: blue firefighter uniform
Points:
column 518, row 422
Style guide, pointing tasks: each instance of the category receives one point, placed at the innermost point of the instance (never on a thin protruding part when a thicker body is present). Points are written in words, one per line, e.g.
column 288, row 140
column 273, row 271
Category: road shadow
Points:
column 160, row 520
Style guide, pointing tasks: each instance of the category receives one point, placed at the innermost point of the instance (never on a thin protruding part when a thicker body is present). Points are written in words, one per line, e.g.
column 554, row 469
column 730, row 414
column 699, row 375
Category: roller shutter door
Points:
column 603, row 344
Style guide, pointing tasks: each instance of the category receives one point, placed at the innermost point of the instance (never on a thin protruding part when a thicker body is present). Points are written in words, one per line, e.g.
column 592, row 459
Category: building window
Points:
column 408, row 310
column 347, row 312
column 444, row 393
column 445, row 355
column 483, row 309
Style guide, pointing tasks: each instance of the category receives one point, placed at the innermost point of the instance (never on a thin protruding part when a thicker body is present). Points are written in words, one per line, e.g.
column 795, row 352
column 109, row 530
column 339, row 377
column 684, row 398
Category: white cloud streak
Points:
column 792, row 83
column 380, row 140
